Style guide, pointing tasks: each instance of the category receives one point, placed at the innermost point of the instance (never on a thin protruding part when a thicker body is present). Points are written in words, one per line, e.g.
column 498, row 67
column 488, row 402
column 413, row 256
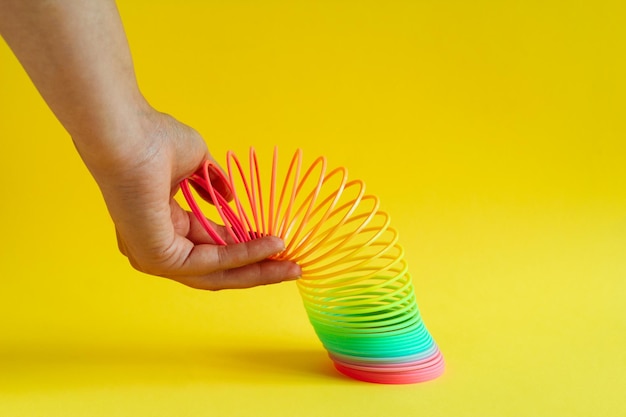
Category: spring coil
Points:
column 355, row 284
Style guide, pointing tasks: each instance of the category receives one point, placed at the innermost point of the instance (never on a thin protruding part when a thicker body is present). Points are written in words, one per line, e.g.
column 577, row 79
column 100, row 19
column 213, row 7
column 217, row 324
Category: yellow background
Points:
column 494, row 133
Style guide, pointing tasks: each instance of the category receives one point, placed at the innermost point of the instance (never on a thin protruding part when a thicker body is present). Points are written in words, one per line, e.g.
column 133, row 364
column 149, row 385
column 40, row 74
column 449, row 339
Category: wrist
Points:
column 117, row 137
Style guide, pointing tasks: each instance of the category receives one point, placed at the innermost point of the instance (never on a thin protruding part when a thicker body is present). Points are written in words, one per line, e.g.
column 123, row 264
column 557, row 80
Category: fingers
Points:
column 242, row 265
column 235, row 266
column 260, row 273
column 204, row 259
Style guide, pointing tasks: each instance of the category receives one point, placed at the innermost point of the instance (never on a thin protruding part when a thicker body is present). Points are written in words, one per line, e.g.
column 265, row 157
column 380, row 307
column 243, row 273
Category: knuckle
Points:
column 233, row 255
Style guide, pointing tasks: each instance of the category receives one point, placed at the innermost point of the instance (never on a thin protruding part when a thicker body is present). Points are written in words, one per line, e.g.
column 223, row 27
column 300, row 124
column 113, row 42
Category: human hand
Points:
column 77, row 54
column 154, row 232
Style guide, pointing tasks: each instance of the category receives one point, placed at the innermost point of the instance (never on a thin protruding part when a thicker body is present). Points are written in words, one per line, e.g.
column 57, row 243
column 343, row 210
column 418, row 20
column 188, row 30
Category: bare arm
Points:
column 77, row 55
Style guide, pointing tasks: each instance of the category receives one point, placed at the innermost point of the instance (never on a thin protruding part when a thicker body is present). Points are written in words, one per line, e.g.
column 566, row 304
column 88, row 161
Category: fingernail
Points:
column 282, row 243
column 295, row 272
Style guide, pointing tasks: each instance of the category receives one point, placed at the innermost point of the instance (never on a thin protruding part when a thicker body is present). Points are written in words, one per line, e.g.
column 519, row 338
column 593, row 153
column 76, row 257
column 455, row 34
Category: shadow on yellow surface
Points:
column 70, row 368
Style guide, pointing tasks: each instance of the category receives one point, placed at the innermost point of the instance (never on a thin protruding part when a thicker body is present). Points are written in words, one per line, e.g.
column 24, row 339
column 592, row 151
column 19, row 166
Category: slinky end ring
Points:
column 394, row 373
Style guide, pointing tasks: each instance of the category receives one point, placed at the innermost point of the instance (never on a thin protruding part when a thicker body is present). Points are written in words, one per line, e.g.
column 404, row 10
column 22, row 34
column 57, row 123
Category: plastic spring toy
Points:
column 355, row 284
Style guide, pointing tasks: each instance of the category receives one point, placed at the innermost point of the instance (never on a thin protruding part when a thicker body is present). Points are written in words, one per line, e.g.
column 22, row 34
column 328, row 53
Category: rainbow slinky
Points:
column 355, row 284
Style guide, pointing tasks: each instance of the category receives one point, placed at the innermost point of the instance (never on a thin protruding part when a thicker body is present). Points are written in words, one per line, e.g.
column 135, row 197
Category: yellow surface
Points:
column 494, row 133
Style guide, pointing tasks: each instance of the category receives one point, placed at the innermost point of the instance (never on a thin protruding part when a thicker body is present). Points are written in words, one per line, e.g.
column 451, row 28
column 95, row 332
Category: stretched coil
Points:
column 355, row 284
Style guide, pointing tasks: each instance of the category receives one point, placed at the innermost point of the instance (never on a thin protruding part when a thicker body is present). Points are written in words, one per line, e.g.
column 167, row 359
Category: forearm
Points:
column 77, row 55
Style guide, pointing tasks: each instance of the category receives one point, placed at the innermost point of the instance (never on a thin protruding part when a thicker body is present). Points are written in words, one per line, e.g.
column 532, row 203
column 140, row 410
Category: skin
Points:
column 77, row 55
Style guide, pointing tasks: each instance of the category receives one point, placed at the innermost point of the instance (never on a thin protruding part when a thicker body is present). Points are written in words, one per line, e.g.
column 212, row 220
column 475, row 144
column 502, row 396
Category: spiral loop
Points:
column 355, row 284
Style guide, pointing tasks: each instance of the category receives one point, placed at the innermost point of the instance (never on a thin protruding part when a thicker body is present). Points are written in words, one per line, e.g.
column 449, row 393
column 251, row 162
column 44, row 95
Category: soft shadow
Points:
column 62, row 367
column 281, row 362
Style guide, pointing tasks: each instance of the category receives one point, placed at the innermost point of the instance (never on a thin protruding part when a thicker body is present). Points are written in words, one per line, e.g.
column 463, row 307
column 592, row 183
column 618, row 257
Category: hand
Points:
column 155, row 233
column 77, row 54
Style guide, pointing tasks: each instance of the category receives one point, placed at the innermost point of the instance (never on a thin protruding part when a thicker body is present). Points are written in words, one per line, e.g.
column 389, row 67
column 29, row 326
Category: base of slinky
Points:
column 386, row 372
